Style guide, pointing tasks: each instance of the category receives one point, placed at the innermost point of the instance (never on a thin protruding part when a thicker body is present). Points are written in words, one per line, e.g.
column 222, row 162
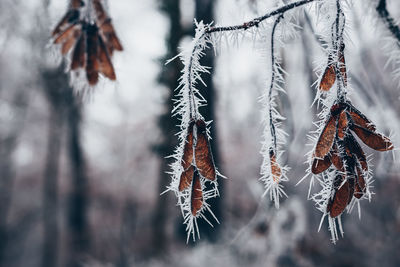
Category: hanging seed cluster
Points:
column 197, row 161
column 337, row 146
column 89, row 33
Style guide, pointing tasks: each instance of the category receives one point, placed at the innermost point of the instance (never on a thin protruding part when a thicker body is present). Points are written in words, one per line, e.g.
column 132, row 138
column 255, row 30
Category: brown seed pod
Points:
column 328, row 78
column 360, row 186
column 100, row 12
column 110, row 37
column 339, row 201
column 373, row 140
column 67, row 34
column 187, row 157
column 342, row 125
column 106, row 67
column 186, row 178
column 203, row 156
column 320, row 165
column 197, row 194
column 69, row 43
column 78, row 55
column 77, row 3
column 275, row 169
column 71, row 17
column 326, row 138
column 336, row 160
column 92, row 64
column 360, row 119
column 355, row 149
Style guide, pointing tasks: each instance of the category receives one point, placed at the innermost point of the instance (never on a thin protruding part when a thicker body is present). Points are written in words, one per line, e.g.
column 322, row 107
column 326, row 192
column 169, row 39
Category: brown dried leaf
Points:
column 320, row 165
column 360, row 184
column 186, row 178
column 326, row 138
column 110, row 36
column 197, row 194
column 203, row 156
column 92, row 64
column 360, row 119
column 187, row 157
column 373, row 140
column 78, row 55
column 328, row 78
column 355, row 149
column 67, row 45
column 336, row 160
column 71, row 16
column 67, row 34
column 100, row 13
column 106, row 67
column 340, row 200
column 275, row 168
column 77, row 3
column 342, row 125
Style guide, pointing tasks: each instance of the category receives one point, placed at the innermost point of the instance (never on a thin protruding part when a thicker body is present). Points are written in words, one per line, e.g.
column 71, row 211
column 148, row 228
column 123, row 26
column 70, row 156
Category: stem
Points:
column 255, row 22
column 391, row 24
column 271, row 122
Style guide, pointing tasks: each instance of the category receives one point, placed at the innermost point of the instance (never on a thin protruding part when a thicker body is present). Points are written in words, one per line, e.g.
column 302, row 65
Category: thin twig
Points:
column 255, row 22
column 390, row 22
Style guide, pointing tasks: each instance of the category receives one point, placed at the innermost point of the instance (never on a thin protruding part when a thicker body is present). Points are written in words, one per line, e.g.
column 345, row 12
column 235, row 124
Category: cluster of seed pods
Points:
column 92, row 41
column 197, row 161
column 337, row 146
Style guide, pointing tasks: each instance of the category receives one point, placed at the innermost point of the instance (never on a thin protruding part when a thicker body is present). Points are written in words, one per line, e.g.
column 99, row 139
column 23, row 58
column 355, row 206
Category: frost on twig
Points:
column 272, row 171
column 194, row 164
column 337, row 160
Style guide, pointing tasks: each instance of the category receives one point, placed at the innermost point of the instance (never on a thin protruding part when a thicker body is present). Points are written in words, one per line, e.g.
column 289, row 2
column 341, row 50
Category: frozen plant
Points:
column 337, row 161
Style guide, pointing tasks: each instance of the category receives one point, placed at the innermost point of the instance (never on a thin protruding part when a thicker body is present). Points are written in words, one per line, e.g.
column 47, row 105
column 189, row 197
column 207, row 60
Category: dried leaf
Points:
column 72, row 16
column 197, row 194
column 100, row 13
column 336, row 160
column 275, row 169
column 111, row 38
column 373, row 140
column 78, row 55
column 77, row 3
column 67, row 45
column 342, row 125
column 360, row 184
column 328, row 78
column 67, row 34
column 360, row 119
column 106, row 66
column 320, row 165
column 355, row 149
column 187, row 157
column 340, row 200
column 186, row 178
column 203, row 156
column 92, row 64
column 326, row 138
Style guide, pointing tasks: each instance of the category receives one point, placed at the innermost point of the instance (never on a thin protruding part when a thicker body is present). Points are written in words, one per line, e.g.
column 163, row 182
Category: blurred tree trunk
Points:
column 55, row 83
column 77, row 221
column 169, row 77
column 8, row 143
column 204, row 11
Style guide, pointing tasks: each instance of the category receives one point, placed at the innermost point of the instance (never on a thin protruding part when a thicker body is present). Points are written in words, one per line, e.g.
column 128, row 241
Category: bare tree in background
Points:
column 168, row 77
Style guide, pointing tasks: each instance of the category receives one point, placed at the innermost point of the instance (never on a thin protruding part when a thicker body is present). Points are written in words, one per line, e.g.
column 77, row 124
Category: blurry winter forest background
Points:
column 80, row 181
